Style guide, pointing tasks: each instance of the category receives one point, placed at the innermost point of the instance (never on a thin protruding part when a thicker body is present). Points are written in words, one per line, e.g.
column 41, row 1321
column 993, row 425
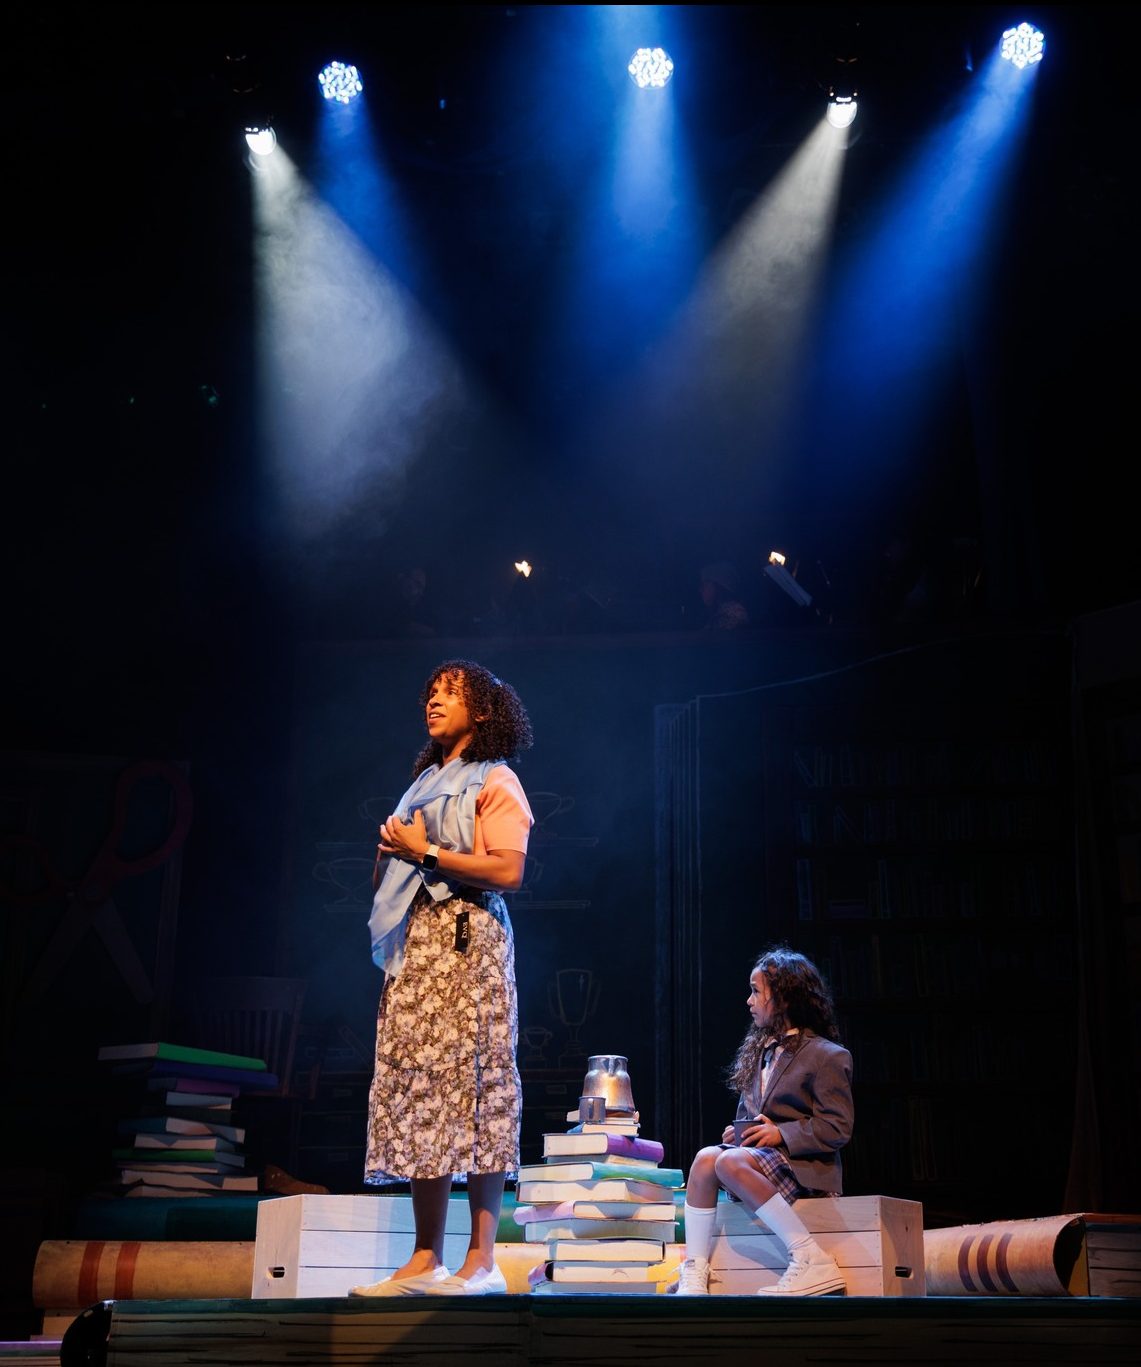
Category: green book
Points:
column 591, row 1170
column 178, row 1053
column 177, row 1158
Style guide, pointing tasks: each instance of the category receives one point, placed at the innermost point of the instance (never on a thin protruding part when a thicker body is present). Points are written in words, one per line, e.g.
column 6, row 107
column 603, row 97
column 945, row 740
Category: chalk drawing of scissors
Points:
column 89, row 902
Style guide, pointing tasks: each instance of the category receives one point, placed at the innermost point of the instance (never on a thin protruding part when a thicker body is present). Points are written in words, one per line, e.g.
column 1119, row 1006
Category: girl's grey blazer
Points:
column 809, row 1099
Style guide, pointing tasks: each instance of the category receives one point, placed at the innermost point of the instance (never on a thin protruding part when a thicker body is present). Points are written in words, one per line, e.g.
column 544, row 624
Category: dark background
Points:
column 131, row 301
column 157, row 606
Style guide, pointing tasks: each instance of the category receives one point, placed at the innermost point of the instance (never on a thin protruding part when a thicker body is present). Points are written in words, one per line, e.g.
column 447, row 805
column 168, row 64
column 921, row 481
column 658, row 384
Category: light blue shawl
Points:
column 447, row 798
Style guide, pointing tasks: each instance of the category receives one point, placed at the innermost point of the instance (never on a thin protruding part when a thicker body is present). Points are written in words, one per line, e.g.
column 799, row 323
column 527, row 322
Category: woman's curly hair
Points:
column 801, row 1000
column 507, row 728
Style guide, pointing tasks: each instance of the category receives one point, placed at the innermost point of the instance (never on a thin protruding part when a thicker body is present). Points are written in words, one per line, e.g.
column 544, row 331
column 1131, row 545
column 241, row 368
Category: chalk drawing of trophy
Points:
column 349, row 874
column 535, row 1037
column 573, row 997
column 374, row 810
column 546, row 806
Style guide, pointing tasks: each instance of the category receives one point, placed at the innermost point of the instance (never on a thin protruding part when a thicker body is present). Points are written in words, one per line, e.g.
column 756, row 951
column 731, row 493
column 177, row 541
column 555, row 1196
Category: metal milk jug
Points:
column 607, row 1077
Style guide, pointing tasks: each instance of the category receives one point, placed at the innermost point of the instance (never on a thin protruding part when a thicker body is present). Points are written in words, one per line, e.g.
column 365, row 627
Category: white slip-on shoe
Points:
column 486, row 1282
column 403, row 1286
column 693, row 1278
column 820, row 1278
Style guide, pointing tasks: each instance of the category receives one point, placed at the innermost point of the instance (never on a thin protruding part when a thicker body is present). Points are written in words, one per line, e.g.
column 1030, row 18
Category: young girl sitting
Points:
column 795, row 1083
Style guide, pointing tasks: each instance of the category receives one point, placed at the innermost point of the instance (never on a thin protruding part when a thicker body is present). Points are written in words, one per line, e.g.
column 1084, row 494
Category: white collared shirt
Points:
column 771, row 1055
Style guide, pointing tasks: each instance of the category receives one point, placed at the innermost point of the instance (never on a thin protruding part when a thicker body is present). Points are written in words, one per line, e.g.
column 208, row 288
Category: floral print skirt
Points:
column 445, row 1096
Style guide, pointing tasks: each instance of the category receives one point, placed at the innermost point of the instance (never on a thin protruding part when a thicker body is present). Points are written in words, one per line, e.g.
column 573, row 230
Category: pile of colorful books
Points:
column 602, row 1209
column 179, row 1138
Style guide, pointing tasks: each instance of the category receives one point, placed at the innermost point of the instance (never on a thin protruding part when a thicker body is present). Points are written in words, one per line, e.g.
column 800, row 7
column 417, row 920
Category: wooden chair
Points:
column 259, row 1017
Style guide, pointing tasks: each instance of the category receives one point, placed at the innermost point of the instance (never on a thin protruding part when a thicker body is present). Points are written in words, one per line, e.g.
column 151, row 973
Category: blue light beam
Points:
column 909, row 286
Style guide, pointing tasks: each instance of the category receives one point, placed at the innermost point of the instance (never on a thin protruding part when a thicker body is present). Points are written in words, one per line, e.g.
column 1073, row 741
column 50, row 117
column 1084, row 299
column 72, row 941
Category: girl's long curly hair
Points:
column 801, row 1000
column 504, row 734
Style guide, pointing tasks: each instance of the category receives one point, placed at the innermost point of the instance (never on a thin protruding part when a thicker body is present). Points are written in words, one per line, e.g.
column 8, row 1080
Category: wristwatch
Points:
column 431, row 857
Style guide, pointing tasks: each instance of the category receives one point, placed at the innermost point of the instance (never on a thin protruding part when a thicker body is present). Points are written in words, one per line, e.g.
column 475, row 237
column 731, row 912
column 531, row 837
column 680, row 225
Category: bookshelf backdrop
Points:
column 910, row 829
column 927, row 859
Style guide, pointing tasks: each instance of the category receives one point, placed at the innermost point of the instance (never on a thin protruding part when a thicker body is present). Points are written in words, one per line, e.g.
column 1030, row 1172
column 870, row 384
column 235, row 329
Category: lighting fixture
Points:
column 776, row 571
column 1023, row 46
column 841, row 109
column 261, row 139
column 650, row 66
column 340, row 82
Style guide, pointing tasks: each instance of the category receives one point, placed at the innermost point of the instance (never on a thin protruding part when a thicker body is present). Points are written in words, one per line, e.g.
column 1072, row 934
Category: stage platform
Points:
column 621, row 1330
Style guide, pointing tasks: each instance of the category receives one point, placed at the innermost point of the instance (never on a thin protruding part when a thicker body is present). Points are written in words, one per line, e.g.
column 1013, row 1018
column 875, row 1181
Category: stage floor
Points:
column 609, row 1331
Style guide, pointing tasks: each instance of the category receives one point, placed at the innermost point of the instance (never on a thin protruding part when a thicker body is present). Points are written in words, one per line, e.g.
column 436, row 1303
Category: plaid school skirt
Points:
column 774, row 1165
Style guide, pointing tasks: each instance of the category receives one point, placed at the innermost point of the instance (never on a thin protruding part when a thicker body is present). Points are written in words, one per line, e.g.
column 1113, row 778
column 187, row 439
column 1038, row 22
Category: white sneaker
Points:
column 693, row 1278
column 819, row 1278
column 402, row 1286
column 487, row 1281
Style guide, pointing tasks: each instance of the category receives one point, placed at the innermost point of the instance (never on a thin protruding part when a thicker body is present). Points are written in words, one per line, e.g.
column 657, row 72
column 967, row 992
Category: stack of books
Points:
column 179, row 1138
column 602, row 1207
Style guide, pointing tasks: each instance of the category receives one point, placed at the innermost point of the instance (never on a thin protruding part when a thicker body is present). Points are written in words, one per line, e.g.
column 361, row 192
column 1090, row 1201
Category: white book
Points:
column 613, row 1125
column 540, row 1231
column 585, row 1209
column 202, row 1141
column 177, row 1125
column 610, row 1274
column 549, row 1288
column 611, row 1250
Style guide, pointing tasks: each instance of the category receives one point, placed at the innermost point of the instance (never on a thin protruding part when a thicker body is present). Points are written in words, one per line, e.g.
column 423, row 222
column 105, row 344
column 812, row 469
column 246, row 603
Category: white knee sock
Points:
column 699, row 1230
column 788, row 1227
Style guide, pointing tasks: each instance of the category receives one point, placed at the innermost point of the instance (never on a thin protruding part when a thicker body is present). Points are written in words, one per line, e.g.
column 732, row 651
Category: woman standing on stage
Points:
column 445, row 1100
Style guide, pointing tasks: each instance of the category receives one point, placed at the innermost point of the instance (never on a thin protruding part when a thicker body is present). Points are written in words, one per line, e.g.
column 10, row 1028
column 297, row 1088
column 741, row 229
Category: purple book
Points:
column 575, row 1144
column 203, row 1085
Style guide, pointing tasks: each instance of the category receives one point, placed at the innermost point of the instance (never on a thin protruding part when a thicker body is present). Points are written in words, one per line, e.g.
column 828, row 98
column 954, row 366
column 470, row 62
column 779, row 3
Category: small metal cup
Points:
column 592, row 1109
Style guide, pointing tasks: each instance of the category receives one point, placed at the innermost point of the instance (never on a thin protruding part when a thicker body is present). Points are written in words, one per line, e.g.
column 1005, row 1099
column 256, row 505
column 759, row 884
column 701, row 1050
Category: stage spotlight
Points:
column 340, row 82
column 1023, row 46
column 261, row 139
column 650, row 66
column 841, row 109
column 524, row 568
column 776, row 571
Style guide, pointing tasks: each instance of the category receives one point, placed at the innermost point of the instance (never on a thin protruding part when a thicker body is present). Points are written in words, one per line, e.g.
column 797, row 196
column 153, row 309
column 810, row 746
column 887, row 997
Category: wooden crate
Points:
column 322, row 1245
column 877, row 1241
